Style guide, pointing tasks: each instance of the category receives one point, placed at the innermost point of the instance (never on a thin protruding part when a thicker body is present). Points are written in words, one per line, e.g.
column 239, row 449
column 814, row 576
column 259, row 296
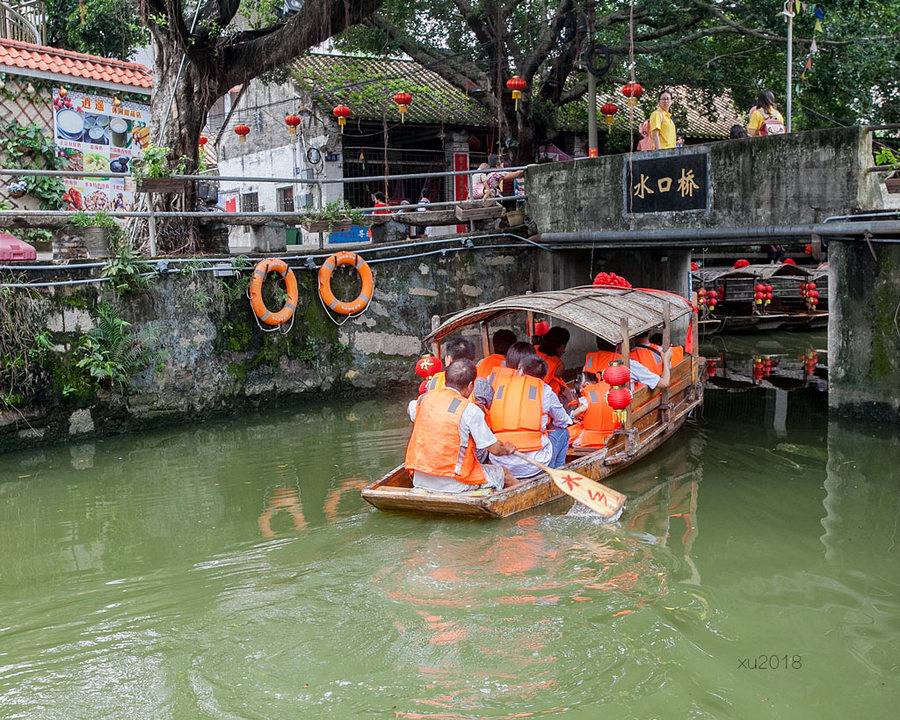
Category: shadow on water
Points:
column 232, row 570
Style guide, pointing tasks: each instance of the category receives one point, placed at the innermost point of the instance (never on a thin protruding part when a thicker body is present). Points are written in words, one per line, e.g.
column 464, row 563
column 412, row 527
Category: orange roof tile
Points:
column 89, row 68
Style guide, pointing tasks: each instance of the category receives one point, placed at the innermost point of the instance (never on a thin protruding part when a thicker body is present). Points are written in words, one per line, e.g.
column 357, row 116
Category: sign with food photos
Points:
column 98, row 133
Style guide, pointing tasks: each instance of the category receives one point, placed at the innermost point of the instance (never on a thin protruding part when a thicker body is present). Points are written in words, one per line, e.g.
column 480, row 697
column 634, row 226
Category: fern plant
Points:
column 110, row 352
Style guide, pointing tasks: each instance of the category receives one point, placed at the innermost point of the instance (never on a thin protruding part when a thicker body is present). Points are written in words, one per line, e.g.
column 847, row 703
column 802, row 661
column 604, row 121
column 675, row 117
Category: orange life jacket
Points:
column 486, row 366
column 435, row 382
column 677, row 354
column 517, row 413
column 599, row 420
column 499, row 374
column 435, row 446
column 554, row 363
column 596, row 362
column 650, row 356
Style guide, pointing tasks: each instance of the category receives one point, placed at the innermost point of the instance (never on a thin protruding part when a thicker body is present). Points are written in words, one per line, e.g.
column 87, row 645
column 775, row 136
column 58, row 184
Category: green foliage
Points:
column 125, row 270
column 335, row 213
column 110, row 352
column 24, row 346
column 155, row 163
column 109, row 28
column 887, row 157
column 29, row 147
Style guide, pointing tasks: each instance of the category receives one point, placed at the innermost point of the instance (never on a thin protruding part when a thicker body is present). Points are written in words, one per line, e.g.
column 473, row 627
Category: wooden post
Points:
column 436, row 345
column 151, row 226
column 626, row 358
column 485, row 340
column 664, row 414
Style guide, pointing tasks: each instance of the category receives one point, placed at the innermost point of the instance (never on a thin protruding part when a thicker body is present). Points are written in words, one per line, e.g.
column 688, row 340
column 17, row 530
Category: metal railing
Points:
column 295, row 217
column 23, row 21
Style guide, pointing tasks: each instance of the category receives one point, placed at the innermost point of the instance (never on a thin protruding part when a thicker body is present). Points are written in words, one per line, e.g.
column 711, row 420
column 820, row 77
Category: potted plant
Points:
column 887, row 159
column 101, row 232
column 334, row 217
column 153, row 174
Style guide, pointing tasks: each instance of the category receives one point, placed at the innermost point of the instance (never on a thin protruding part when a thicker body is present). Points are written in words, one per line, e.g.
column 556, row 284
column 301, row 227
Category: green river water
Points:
column 231, row 570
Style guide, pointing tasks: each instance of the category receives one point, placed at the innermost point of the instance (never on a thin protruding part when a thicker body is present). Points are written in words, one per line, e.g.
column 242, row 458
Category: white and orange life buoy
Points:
column 354, row 307
column 263, row 268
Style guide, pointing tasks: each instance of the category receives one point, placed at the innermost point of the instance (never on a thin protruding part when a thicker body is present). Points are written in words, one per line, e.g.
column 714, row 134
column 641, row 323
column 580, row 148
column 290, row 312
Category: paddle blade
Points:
column 601, row 499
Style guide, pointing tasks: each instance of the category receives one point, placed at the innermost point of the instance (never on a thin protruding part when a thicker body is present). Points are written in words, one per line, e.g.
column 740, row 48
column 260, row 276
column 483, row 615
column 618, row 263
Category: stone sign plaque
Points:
column 674, row 183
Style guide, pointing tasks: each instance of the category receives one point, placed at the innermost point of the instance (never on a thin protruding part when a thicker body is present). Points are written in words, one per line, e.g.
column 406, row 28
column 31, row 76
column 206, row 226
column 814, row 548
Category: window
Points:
column 250, row 202
column 285, row 199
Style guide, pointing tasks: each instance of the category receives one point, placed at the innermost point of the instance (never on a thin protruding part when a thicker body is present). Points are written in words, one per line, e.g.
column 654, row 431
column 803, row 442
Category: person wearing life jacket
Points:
column 647, row 353
column 596, row 419
column 447, row 429
column 517, row 352
column 501, row 342
column 552, row 346
column 596, row 362
column 641, row 374
column 456, row 349
column 527, row 413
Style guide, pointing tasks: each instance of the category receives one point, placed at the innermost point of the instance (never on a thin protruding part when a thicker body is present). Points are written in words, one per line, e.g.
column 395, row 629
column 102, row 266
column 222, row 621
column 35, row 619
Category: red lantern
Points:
column 609, row 110
column 517, row 85
column 633, row 92
column 616, row 374
column 811, row 286
column 619, row 398
column 292, row 121
column 341, row 112
column 427, row 366
column 203, row 140
column 403, row 100
column 541, row 327
column 242, row 131
column 694, row 266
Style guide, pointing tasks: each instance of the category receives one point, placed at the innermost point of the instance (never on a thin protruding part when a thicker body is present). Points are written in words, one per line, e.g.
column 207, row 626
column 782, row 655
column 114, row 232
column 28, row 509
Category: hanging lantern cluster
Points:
column 341, row 112
column 762, row 294
column 403, row 100
column 609, row 110
column 516, row 85
column 292, row 121
column 809, row 292
column 242, row 131
column 707, row 299
column 632, row 92
column 617, row 376
column 611, row 278
column 810, row 359
column 762, row 367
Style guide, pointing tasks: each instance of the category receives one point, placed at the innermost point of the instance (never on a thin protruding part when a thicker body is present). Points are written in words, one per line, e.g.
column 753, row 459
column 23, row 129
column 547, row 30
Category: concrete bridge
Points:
column 643, row 215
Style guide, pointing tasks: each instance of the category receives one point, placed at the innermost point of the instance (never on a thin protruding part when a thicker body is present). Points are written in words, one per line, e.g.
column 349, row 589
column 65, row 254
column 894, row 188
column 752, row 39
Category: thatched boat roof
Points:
column 597, row 310
column 759, row 271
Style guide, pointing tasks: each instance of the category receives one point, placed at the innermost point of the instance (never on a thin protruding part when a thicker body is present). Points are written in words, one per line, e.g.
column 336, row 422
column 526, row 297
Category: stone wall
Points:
column 788, row 179
column 212, row 357
column 864, row 329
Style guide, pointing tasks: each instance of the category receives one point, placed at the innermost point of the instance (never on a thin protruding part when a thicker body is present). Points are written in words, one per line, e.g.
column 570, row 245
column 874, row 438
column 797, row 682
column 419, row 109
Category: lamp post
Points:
column 788, row 13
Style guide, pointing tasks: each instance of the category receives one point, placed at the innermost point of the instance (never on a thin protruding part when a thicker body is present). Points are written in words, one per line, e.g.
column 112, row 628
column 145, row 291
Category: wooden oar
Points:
column 601, row 499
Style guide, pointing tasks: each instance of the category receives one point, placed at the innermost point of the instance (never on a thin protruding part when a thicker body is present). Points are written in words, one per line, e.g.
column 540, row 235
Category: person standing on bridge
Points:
column 662, row 129
column 765, row 118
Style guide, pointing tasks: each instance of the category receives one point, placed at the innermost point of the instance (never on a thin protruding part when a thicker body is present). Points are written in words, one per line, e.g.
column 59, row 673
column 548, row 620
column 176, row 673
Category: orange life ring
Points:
column 290, row 285
column 345, row 257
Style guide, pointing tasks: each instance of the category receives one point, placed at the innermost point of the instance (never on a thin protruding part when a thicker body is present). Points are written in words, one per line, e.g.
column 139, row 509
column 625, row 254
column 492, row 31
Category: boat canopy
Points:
column 598, row 310
column 764, row 272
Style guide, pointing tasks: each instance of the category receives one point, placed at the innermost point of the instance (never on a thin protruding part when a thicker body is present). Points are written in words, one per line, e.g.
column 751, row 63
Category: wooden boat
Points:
column 737, row 309
column 614, row 314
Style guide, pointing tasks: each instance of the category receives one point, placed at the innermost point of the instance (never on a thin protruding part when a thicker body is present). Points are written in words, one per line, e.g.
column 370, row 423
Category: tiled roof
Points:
column 53, row 62
column 367, row 86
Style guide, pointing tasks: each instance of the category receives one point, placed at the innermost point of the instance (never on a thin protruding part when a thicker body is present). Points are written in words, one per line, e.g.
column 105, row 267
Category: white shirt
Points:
column 471, row 423
column 553, row 407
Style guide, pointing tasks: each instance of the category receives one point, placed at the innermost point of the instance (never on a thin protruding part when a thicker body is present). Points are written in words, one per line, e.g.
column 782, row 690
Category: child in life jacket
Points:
column 596, row 419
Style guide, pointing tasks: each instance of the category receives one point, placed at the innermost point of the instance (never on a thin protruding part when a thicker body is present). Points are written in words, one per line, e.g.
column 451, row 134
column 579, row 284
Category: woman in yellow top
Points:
column 662, row 129
column 765, row 118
